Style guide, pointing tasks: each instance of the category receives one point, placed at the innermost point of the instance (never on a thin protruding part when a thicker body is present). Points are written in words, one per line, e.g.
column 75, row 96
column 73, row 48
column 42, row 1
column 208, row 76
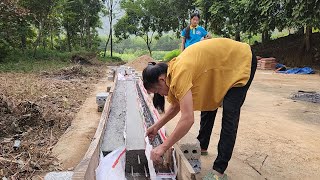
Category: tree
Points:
column 304, row 13
column 111, row 12
column 226, row 17
column 166, row 43
column 179, row 14
column 204, row 6
column 40, row 11
column 263, row 17
column 145, row 18
column 13, row 26
column 80, row 18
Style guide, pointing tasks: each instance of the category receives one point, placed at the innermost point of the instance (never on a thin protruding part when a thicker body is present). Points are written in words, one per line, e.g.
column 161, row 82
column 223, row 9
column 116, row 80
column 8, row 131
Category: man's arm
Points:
column 183, row 43
column 185, row 123
column 170, row 113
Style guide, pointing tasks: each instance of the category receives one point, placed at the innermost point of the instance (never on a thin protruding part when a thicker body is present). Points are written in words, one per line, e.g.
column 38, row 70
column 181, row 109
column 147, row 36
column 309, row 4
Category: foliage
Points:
column 158, row 55
column 55, row 25
column 172, row 54
column 19, row 61
column 149, row 18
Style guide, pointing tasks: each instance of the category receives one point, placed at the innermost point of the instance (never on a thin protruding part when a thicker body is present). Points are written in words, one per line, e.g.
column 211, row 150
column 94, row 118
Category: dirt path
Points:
column 74, row 143
column 278, row 138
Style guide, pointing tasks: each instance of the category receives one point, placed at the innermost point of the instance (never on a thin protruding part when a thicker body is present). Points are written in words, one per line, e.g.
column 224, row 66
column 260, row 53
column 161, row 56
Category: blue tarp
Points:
column 305, row 70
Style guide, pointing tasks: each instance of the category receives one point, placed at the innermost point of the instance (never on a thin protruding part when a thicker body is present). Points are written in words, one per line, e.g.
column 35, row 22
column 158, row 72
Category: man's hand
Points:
column 152, row 132
column 157, row 153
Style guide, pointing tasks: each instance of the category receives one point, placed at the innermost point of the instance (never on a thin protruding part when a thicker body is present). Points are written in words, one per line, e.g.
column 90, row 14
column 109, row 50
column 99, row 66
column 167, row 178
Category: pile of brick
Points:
column 266, row 63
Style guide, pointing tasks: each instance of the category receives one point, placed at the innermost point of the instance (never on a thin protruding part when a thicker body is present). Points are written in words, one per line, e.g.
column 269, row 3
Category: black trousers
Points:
column 232, row 103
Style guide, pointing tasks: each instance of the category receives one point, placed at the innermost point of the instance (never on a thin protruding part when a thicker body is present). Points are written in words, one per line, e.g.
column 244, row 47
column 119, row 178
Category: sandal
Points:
column 212, row 176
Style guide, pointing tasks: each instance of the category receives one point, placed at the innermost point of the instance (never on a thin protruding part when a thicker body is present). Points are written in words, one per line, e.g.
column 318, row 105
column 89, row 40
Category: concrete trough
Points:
column 114, row 133
column 136, row 161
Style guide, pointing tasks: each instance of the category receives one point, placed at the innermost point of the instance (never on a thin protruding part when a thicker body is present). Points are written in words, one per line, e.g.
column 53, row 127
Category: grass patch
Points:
column 33, row 66
column 159, row 55
column 126, row 57
column 45, row 60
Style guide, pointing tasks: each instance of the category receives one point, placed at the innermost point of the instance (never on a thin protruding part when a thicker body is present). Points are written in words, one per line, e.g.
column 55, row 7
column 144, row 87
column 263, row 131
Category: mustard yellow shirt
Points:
column 209, row 69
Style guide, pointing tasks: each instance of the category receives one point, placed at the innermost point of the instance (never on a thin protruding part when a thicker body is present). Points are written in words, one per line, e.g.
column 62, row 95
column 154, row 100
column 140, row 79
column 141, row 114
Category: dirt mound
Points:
column 140, row 63
column 86, row 59
column 73, row 72
column 78, row 59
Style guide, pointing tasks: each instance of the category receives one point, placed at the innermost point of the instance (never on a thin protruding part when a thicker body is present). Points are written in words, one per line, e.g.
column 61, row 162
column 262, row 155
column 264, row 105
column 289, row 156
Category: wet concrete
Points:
column 114, row 133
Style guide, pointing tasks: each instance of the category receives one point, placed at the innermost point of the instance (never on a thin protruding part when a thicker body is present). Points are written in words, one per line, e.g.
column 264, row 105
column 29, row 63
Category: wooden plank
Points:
column 185, row 171
column 115, row 80
column 87, row 166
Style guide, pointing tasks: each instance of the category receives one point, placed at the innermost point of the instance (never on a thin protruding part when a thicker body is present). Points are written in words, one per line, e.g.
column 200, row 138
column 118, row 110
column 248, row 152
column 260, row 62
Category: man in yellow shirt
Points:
column 200, row 78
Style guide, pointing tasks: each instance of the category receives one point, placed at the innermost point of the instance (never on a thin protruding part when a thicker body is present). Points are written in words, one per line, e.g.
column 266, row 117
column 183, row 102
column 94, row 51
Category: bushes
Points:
column 158, row 55
column 171, row 55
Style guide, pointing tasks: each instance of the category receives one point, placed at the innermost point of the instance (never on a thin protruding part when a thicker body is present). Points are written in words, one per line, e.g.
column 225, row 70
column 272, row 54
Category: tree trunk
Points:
column 60, row 42
column 23, row 41
column 301, row 31
column 51, row 38
column 237, row 36
column 111, row 48
column 88, row 35
column 265, row 36
column 38, row 39
column 206, row 18
column 149, row 45
column 111, row 9
column 69, row 37
column 105, row 48
column 308, row 38
column 81, row 37
column 149, row 49
column 44, row 42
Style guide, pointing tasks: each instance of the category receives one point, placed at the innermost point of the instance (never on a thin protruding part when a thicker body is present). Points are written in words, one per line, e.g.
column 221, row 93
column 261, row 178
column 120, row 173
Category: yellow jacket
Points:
column 209, row 68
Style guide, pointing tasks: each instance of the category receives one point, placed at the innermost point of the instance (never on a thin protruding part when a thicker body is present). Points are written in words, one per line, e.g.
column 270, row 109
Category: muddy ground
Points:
column 278, row 138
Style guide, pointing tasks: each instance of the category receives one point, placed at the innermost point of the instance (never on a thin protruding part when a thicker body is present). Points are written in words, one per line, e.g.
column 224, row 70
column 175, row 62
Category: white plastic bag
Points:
column 153, row 176
column 112, row 166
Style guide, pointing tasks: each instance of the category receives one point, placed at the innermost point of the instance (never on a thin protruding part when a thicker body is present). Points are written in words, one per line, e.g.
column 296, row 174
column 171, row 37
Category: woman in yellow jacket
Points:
column 199, row 79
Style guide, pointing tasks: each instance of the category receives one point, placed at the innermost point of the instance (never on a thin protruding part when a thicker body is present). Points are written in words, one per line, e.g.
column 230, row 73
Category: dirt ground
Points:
column 36, row 109
column 82, row 129
column 278, row 138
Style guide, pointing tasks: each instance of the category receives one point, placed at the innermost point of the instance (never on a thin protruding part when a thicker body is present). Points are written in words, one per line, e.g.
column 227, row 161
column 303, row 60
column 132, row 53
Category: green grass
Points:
column 33, row 66
column 159, row 55
column 131, row 55
column 124, row 57
column 45, row 60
